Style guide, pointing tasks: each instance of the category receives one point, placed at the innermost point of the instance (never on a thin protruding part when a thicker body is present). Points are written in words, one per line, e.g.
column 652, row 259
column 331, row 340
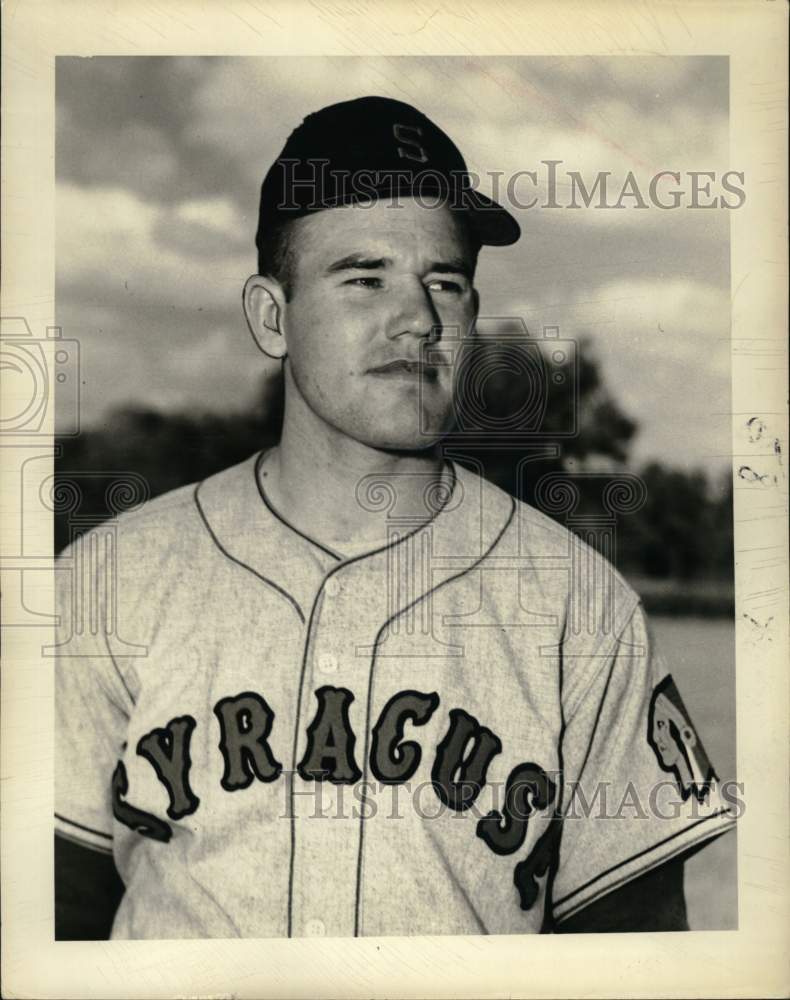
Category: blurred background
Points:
column 159, row 163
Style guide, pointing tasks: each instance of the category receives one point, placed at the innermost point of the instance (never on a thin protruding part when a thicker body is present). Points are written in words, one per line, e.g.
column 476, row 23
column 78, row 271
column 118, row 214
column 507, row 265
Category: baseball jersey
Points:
column 465, row 730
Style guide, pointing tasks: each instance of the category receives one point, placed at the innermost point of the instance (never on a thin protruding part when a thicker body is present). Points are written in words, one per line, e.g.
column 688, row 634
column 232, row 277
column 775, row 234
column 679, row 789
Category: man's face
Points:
column 372, row 287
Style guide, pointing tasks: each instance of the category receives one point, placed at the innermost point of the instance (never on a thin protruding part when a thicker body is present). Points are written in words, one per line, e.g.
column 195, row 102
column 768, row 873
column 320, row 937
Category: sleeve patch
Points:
column 676, row 744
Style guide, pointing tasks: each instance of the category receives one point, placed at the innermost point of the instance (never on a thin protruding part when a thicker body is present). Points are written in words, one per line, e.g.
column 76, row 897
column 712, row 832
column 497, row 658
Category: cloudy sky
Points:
column 159, row 163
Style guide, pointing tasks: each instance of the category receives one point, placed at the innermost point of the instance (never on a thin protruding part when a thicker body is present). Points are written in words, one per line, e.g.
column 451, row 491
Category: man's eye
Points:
column 441, row 285
column 365, row 282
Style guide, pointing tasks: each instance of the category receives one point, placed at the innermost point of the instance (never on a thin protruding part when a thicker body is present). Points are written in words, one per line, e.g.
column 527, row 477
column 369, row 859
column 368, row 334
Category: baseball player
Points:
column 348, row 687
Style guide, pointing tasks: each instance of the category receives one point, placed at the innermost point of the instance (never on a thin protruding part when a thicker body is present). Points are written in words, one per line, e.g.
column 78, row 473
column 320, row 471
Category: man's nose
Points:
column 416, row 314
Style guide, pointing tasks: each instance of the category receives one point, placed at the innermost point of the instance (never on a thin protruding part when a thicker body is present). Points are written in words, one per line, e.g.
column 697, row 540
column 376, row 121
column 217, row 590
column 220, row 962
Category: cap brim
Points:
column 494, row 225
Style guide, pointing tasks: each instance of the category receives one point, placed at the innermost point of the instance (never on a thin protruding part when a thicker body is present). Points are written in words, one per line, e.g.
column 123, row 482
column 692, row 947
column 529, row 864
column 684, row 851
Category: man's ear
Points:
column 476, row 312
column 264, row 300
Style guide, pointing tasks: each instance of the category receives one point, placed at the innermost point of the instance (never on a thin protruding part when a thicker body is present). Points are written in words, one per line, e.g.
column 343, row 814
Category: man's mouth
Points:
column 403, row 368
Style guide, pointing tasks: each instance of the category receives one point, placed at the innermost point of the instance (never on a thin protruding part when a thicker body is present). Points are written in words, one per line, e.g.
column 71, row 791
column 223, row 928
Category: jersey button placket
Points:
column 326, row 830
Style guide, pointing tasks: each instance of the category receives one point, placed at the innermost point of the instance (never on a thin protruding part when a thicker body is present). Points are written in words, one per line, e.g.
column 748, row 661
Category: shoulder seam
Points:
column 607, row 660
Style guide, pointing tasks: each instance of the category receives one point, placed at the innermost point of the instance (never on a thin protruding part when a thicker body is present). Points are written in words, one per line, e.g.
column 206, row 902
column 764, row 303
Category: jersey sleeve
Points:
column 638, row 786
column 92, row 698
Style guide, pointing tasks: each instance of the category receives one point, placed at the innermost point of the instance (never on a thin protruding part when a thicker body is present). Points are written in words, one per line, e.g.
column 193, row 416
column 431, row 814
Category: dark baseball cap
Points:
column 370, row 148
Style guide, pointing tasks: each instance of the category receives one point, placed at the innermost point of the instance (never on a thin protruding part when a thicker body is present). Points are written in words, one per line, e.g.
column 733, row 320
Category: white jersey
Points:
column 466, row 730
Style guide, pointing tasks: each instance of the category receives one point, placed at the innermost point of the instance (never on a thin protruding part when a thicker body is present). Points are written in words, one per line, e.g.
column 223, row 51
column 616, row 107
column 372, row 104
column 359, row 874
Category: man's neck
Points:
column 344, row 493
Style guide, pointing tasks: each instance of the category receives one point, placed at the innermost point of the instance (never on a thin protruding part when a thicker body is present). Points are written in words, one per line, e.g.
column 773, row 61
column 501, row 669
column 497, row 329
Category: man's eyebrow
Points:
column 456, row 265
column 358, row 261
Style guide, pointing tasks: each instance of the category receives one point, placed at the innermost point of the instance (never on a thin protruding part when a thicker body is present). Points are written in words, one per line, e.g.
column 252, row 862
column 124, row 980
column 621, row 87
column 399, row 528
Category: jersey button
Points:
column 315, row 928
column 327, row 663
column 332, row 587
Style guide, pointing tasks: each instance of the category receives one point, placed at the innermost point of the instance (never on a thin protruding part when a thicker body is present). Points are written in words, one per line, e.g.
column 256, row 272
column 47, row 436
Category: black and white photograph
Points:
column 389, row 431
column 390, row 662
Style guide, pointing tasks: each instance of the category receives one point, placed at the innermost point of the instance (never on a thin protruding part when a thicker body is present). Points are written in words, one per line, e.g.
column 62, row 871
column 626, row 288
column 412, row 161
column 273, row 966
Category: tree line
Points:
column 681, row 530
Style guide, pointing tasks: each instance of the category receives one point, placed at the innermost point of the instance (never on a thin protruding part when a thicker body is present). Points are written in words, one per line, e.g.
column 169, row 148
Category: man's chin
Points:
column 393, row 439
column 388, row 428
column 405, row 445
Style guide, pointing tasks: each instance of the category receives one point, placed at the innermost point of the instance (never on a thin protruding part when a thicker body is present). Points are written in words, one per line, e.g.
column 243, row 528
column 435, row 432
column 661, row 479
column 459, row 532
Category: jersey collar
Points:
column 249, row 532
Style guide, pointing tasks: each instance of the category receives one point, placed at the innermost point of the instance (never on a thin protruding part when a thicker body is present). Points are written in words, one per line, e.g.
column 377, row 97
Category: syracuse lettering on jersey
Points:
column 458, row 773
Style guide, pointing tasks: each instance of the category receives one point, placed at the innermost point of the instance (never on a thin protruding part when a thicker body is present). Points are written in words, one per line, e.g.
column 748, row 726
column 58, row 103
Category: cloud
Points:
column 223, row 120
column 112, row 239
column 219, row 214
